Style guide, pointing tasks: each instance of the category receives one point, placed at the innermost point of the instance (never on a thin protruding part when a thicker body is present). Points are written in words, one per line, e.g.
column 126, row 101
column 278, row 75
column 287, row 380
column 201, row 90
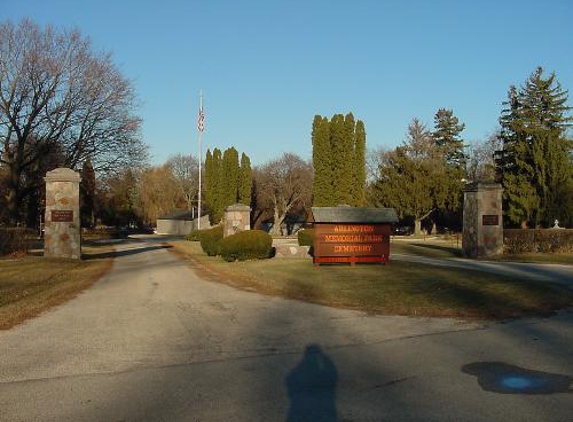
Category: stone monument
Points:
column 483, row 220
column 237, row 219
column 62, row 221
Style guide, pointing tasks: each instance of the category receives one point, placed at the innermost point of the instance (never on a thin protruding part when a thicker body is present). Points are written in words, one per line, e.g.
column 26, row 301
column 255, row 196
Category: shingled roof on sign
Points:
column 354, row 215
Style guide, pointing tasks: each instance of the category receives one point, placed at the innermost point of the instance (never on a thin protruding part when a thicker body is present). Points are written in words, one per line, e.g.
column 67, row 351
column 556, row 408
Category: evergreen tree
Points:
column 245, row 180
column 412, row 178
column 322, row 188
column 87, row 195
column 535, row 163
column 341, row 161
column 217, row 183
column 230, row 177
column 359, row 165
column 208, row 189
column 447, row 129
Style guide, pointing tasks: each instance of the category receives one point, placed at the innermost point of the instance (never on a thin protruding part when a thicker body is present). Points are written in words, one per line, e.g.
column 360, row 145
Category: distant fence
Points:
column 537, row 240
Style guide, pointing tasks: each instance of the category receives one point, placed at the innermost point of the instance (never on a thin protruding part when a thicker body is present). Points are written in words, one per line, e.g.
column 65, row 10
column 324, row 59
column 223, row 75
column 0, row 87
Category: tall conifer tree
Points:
column 447, row 129
column 246, row 180
column 321, row 161
column 536, row 162
column 359, row 165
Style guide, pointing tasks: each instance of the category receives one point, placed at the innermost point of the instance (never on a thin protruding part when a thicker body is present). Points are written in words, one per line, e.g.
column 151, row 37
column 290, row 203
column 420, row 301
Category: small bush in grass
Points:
column 210, row 240
column 250, row 244
column 195, row 235
column 306, row 237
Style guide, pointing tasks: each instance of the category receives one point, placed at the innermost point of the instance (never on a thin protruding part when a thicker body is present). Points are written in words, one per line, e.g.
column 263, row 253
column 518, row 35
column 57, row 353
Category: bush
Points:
column 13, row 240
column 306, row 237
column 210, row 240
column 195, row 235
column 250, row 244
column 529, row 240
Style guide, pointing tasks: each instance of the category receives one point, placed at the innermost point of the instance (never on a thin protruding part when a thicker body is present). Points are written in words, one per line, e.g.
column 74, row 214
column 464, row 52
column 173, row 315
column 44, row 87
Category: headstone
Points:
column 62, row 221
column 483, row 220
column 237, row 218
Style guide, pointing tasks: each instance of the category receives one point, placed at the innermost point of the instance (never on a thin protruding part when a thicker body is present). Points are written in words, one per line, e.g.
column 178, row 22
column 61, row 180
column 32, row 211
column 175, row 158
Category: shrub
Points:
column 210, row 240
column 306, row 237
column 13, row 240
column 546, row 240
column 195, row 235
column 250, row 244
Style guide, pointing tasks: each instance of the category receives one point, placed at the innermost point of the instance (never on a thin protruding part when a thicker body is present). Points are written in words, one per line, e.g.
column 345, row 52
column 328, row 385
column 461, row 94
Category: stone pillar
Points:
column 483, row 220
column 62, row 222
column 237, row 219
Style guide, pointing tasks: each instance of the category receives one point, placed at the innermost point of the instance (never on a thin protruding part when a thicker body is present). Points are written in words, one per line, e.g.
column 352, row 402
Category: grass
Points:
column 538, row 258
column 438, row 248
column 29, row 284
column 431, row 249
column 400, row 288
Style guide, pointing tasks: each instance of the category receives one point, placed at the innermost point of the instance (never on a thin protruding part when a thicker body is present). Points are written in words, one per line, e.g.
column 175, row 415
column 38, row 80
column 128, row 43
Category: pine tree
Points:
column 321, row 161
column 359, row 165
column 447, row 129
column 245, row 180
column 535, row 163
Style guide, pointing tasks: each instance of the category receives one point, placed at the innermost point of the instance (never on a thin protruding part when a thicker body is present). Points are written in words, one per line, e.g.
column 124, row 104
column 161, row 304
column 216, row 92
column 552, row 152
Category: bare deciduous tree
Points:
column 284, row 184
column 185, row 170
column 58, row 96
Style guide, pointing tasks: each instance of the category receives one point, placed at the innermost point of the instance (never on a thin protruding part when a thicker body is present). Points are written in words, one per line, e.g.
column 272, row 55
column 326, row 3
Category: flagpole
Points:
column 200, row 130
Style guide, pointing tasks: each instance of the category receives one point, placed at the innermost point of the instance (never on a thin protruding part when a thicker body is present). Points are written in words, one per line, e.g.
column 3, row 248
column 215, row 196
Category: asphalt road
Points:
column 152, row 341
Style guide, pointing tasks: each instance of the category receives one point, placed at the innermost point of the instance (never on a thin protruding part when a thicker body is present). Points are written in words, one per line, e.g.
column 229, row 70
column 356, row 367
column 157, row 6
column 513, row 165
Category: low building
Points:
column 180, row 223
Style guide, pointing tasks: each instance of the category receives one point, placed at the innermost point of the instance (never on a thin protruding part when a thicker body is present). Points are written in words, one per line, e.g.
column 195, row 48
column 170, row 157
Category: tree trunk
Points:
column 278, row 221
column 417, row 227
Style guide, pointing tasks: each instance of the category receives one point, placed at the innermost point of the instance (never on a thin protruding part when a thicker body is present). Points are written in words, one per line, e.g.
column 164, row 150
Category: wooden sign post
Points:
column 351, row 235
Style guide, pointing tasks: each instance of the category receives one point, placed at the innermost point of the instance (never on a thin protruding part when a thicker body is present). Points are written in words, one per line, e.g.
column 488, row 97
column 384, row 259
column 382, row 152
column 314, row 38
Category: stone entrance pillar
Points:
column 62, row 222
column 237, row 219
column 483, row 220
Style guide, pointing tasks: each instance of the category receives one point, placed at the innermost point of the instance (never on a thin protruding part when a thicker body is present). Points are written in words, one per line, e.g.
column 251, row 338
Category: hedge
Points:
column 210, row 240
column 13, row 240
column 195, row 235
column 537, row 240
column 250, row 244
column 306, row 237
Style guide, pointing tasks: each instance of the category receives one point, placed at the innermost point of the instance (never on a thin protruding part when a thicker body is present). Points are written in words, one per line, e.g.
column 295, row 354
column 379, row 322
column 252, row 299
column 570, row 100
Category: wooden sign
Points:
column 341, row 242
column 490, row 220
column 62, row 216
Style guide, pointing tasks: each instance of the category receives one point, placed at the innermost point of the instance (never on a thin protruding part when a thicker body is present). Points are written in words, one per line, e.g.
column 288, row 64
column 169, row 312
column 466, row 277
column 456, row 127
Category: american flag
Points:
column 201, row 120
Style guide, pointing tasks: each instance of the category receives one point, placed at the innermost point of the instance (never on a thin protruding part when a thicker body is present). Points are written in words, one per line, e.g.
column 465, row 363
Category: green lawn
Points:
column 399, row 288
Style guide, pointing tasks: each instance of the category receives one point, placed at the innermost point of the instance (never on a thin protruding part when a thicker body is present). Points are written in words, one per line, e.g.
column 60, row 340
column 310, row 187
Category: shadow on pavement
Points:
column 311, row 388
column 125, row 252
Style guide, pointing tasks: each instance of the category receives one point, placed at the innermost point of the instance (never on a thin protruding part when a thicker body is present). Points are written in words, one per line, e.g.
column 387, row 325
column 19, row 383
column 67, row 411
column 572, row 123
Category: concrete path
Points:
column 154, row 341
column 556, row 273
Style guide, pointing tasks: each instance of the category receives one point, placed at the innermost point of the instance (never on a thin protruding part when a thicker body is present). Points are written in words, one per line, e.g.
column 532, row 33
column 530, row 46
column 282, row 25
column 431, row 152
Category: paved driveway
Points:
column 153, row 341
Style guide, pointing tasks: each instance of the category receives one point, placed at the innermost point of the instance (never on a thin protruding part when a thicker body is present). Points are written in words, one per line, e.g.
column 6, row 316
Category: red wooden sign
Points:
column 337, row 242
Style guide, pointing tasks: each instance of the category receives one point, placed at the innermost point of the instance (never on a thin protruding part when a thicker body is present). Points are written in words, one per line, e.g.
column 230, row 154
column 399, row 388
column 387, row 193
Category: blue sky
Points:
column 267, row 67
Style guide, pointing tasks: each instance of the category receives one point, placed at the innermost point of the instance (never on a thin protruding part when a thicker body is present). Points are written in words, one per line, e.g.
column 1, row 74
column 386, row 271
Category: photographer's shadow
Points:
column 312, row 388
